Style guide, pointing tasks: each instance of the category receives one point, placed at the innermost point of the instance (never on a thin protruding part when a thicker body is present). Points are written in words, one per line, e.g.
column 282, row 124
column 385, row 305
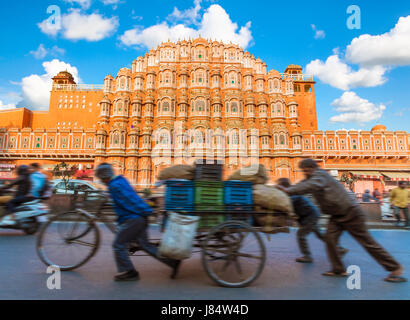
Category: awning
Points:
column 397, row 176
column 7, row 166
column 367, row 174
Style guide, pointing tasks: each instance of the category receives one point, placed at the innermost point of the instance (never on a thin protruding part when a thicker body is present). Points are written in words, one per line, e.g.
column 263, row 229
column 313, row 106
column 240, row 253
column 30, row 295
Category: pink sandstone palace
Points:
column 197, row 99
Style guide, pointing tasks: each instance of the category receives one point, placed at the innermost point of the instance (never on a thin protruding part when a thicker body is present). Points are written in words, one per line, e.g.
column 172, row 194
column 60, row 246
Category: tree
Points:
column 348, row 179
column 65, row 172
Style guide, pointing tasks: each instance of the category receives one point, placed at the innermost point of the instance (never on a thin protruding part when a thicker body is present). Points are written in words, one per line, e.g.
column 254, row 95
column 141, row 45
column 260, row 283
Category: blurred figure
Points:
column 38, row 181
column 308, row 217
column 345, row 214
column 367, row 197
column 400, row 199
column 22, row 194
column 377, row 195
column 132, row 214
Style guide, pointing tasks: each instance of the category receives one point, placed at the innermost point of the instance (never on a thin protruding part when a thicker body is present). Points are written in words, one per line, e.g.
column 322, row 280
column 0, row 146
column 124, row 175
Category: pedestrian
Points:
column 132, row 221
column 308, row 217
column 377, row 194
column 367, row 197
column 400, row 199
column 345, row 215
column 39, row 182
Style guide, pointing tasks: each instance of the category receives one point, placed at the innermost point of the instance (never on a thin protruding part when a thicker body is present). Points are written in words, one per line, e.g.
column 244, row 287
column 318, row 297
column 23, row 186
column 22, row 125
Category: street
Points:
column 23, row 276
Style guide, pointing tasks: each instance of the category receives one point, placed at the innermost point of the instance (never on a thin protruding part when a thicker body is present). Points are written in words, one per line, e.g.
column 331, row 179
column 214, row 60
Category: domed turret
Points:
column 63, row 77
column 379, row 127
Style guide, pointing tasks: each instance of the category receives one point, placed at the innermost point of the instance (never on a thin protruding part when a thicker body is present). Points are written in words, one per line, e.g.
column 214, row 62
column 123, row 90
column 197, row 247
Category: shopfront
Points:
column 391, row 179
column 6, row 171
column 367, row 180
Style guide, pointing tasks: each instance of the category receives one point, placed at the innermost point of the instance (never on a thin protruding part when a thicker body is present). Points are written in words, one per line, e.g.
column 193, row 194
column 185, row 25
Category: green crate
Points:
column 210, row 221
column 209, row 193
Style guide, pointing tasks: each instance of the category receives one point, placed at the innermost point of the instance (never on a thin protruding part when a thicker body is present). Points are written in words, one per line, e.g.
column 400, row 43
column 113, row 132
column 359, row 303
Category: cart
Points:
column 233, row 252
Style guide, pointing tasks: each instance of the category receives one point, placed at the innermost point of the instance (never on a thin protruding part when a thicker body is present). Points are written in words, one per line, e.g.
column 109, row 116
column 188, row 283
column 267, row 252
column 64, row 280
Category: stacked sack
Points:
column 266, row 198
column 180, row 171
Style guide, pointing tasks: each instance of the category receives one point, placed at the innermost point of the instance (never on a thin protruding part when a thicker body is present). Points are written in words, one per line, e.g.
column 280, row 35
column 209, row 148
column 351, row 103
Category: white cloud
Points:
column 78, row 26
column 352, row 108
column 85, row 4
column 340, row 75
column 7, row 106
column 190, row 15
column 319, row 34
column 42, row 52
column 374, row 55
column 390, row 48
column 36, row 88
column 215, row 24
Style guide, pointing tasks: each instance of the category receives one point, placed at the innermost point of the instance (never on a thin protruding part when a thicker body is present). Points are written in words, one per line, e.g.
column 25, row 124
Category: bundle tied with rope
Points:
column 276, row 204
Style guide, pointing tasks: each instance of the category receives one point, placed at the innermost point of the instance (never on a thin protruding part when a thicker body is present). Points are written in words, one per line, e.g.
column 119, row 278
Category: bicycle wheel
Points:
column 68, row 241
column 233, row 254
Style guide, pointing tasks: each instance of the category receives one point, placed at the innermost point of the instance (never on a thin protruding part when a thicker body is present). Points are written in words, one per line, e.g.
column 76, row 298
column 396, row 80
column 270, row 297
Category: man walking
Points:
column 345, row 215
column 400, row 199
column 308, row 217
column 132, row 214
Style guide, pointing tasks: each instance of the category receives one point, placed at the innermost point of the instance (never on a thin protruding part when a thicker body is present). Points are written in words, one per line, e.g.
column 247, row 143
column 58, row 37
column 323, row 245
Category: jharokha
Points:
column 196, row 99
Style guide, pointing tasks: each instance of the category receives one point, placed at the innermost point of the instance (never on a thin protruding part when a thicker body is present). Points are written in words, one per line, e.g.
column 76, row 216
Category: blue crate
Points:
column 179, row 195
column 238, row 192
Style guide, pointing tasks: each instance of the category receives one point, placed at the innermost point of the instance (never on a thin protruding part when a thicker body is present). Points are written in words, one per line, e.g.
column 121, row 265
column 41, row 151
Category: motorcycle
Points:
column 28, row 217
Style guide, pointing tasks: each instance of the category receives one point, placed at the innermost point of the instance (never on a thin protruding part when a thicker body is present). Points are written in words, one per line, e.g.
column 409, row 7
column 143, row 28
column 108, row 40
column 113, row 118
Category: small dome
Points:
column 274, row 73
column 65, row 74
column 379, row 127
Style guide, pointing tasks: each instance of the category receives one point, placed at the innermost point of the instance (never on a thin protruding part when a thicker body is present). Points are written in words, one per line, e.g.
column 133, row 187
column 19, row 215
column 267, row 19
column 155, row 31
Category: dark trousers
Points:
column 130, row 231
column 309, row 225
column 15, row 202
column 405, row 212
column 355, row 223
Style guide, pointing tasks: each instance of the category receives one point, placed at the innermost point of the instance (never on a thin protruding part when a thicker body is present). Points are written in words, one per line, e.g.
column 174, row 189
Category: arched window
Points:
column 234, row 107
column 122, row 83
column 276, row 85
column 164, row 138
column 200, row 106
column 279, row 109
column 116, row 139
column 235, row 137
column 120, row 106
column 232, row 78
column 282, row 139
column 165, row 106
column 199, row 138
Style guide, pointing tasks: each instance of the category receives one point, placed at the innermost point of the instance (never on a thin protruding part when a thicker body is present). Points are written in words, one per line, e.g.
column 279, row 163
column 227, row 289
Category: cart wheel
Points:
column 233, row 254
column 68, row 241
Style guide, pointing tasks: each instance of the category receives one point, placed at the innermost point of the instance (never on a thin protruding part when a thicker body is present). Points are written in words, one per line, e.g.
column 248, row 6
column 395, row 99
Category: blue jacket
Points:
column 38, row 180
column 127, row 204
column 304, row 209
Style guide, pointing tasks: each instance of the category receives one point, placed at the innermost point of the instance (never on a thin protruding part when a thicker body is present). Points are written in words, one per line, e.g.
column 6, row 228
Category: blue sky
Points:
column 361, row 80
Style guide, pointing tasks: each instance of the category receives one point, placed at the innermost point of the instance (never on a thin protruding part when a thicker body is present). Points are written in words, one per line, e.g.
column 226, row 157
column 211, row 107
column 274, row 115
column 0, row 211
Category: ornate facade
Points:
column 194, row 99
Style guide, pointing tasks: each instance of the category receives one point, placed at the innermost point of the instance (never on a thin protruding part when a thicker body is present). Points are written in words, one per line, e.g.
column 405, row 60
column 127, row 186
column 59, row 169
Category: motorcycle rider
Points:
column 22, row 194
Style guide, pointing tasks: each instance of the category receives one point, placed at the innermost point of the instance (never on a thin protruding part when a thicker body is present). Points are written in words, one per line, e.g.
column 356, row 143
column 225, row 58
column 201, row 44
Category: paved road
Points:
column 23, row 276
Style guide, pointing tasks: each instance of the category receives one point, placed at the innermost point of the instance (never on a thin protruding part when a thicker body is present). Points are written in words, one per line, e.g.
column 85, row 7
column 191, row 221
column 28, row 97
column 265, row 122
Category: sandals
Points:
column 395, row 279
column 335, row 274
